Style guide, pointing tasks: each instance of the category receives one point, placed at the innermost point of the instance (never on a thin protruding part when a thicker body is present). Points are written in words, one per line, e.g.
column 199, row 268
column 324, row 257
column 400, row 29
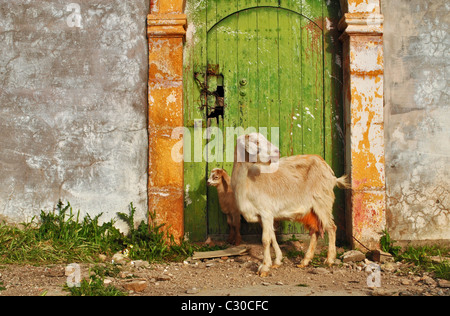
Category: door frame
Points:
column 362, row 27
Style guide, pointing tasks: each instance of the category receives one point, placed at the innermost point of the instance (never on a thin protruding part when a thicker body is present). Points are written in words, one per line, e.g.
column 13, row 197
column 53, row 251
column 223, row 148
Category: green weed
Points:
column 419, row 256
column 95, row 285
column 387, row 244
column 60, row 236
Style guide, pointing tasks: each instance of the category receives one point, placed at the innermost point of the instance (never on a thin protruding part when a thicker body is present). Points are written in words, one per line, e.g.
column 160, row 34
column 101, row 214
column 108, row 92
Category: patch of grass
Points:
column 107, row 270
column 441, row 270
column 95, row 285
column 387, row 244
column 150, row 242
column 419, row 256
column 60, row 236
column 302, row 285
column 292, row 253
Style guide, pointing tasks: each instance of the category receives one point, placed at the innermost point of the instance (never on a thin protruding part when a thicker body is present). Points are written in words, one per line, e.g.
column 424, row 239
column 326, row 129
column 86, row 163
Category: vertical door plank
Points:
column 213, row 134
column 268, row 69
column 248, row 67
column 297, row 140
column 222, row 51
column 194, row 172
column 312, row 88
column 286, row 87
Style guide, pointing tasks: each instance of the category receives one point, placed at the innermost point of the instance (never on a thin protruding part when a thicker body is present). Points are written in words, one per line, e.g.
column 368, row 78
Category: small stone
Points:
column 125, row 274
column 320, row 271
column 135, row 285
column 265, row 283
column 102, row 257
column 353, row 256
column 164, row 278
column 428, row 281
column 193, row 290
column 107, row 281
column 140, row 264
column 119, row 258
column 380, row 256
column 406, row 282
column 444, row 283
column 279, row 283
column 388, row 267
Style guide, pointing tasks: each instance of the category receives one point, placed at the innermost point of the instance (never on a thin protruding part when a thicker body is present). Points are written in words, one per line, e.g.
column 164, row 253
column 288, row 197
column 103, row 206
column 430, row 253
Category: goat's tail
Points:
column 344, row 182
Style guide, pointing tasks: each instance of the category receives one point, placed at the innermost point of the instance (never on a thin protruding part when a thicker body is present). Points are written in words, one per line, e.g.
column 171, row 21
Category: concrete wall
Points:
column 73, row 104
column 417, row 118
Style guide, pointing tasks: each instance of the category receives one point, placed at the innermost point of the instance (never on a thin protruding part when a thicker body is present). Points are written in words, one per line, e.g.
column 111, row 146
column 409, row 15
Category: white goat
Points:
column 297, row 188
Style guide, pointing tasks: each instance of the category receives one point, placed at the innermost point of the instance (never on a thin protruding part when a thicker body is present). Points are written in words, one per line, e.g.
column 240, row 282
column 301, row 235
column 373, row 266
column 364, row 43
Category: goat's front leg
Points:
column 278, row 253
column 267, row 227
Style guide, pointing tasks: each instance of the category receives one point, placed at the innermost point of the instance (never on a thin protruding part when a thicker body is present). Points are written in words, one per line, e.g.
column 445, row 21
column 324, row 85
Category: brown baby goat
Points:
column 222, row 181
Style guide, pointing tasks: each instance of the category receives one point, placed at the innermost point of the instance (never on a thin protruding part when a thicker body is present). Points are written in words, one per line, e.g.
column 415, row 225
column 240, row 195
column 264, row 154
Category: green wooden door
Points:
column 275, row 66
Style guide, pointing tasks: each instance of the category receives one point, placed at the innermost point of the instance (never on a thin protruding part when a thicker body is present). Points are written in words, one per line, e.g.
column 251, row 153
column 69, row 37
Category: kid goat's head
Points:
column 215, row 177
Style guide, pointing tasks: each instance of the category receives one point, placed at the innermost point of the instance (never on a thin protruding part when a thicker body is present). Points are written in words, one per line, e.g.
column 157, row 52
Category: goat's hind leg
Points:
column 310, row 252
column 331, row 230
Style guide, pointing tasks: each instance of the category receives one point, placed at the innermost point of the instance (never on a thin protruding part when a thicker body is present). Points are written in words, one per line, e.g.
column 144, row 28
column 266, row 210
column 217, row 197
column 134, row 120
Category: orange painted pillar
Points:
column 362, row 39
column 166, row 30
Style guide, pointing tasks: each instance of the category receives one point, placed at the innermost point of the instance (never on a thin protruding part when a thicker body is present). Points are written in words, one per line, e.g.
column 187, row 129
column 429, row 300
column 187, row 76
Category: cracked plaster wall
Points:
column 417, row 119
column 73, row 104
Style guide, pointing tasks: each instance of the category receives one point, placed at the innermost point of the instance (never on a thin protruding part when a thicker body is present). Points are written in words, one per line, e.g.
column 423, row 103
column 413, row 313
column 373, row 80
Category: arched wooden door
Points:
column 261, row 65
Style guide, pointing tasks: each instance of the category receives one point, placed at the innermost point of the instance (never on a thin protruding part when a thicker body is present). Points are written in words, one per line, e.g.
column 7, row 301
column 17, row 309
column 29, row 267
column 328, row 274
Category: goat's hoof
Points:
column 329, row 262
column 263, row 271
column 303, row 264
column 276, row 266
column 263, row 274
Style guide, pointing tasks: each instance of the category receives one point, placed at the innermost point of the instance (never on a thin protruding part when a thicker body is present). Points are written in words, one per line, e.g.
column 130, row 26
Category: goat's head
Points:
column 215, row 177
column 254, row 147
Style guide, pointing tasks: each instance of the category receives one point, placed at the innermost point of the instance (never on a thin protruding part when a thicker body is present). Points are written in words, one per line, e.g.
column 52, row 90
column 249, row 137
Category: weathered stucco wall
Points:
column 73, row 106
column 417, row 118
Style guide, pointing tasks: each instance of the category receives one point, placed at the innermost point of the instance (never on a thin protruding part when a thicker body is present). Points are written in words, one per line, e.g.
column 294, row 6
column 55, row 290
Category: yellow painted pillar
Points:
column 166, row 30
column 362, row 38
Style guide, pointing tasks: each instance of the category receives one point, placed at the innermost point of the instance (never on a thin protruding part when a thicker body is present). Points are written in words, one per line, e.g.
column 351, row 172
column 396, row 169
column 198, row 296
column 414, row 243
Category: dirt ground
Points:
column 235, row 276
